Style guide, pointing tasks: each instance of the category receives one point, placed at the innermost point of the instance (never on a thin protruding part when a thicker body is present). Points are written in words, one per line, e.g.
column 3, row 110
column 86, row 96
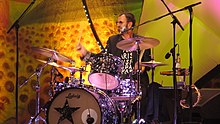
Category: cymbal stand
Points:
column 51, row 92
column 37, row 72
column 42, row 109
column 80, row 76
column 139, row 93
column 37, row 89
column 152, row 73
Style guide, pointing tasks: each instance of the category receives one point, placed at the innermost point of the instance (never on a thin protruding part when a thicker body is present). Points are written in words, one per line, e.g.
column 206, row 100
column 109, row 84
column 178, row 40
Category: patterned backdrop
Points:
column 54, row 25
column 60, row 25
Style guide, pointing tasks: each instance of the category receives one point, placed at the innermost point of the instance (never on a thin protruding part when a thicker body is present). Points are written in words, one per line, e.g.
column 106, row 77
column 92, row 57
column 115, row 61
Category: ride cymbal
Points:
column 131, row 44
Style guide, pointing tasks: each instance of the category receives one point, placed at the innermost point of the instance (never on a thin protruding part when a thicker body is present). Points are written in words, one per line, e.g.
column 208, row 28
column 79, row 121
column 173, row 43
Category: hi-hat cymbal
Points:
column 71, row 69
column 152, row 64
column 50, row 63
column 131, row 44
column 52, row 53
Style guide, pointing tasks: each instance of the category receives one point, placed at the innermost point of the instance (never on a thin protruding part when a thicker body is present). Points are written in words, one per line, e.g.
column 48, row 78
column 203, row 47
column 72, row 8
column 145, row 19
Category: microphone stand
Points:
column 174, row 73
column 191, row 62
column 16, row 26
column 174, row 22
column 173, row 16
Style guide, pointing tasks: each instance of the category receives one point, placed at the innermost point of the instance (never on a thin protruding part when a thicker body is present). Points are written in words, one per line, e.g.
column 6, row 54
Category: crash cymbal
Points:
column 131, row 44
column 71, row 69
column 52, row 53
column 180, row 72
column 152, row 64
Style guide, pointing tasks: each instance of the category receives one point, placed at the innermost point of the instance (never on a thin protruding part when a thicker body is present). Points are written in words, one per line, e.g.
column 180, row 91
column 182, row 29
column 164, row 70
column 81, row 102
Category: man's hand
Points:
column 80, row 48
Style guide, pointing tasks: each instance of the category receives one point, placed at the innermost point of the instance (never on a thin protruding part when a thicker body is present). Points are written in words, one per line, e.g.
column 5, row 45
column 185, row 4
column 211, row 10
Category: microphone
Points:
column 167, row 56
column 124, row 29
column 178, row 61
column 89, row 119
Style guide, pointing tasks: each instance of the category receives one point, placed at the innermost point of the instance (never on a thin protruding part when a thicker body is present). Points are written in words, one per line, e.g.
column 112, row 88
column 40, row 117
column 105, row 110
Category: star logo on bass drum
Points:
column 66, row 112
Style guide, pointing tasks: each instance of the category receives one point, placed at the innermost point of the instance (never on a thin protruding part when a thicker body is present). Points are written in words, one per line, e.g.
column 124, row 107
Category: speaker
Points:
column 207, row 111
column 209, row 103
column 168, row 102
column 210, row 80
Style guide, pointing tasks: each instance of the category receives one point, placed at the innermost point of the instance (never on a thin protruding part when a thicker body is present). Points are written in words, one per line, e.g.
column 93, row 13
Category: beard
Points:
column 122, row 29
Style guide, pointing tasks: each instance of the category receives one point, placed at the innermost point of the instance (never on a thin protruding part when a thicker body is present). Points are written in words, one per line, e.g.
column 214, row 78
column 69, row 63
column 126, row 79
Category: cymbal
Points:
column 131, row 44
column 50, row 63
column 152, row 64
column 52, row 53
column 71, row 69
column 180, row 72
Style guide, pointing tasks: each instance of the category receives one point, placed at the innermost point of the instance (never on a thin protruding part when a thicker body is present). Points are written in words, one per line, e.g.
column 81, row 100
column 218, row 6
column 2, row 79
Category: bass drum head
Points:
column 72, row 106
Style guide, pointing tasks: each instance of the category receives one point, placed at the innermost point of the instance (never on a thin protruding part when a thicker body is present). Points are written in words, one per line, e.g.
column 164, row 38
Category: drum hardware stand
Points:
column 139, row 93
column 71, row 78
column 37, row 90
column 125, row 106
column 41, row 110
column 53, row 79
column 37, row 72
column 124, row 110
column 106, row 79
column 81, row 70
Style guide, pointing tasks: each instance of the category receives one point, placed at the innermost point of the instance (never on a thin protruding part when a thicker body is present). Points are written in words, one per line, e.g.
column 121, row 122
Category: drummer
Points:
column 126, row 21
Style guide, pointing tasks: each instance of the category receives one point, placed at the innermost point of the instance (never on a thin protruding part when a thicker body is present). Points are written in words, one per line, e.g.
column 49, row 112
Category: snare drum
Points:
column 80, row 106
column 105, row 70
column 125, row 91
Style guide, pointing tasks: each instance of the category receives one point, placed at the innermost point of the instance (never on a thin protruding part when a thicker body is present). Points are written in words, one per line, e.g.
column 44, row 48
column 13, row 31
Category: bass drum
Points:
column 81, row 106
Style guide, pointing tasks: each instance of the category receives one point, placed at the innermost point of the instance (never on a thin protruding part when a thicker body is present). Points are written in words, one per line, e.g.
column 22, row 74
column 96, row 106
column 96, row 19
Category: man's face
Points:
column 122, row 23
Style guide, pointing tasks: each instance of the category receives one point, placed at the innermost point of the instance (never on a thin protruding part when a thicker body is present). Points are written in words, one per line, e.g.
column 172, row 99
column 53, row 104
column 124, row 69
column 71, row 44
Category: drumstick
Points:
column 78, row 46
column 141, row 55
column 80, row 36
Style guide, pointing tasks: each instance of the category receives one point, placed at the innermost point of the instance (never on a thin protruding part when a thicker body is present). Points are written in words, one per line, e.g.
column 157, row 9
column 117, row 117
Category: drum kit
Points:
column 74, row 102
